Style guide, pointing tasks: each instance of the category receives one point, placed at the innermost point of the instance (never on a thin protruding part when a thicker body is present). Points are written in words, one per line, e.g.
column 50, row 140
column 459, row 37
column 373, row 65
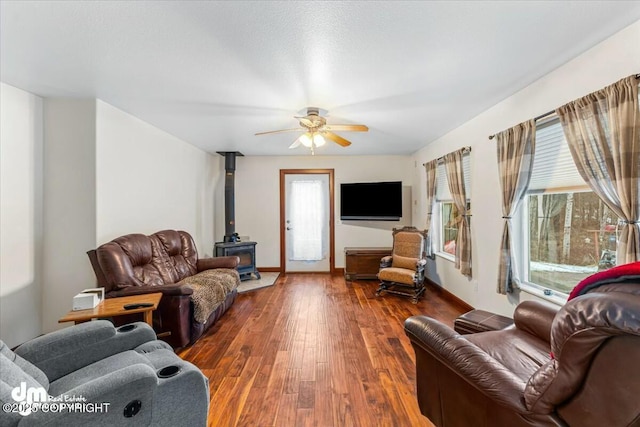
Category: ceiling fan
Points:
column 316, row 130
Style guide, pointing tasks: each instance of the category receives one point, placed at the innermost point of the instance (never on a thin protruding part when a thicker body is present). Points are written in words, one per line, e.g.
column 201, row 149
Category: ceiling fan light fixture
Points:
column 318, row 140
column 305, row 139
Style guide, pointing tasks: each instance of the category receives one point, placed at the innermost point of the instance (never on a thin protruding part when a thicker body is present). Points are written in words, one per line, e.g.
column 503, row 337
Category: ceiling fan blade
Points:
column 280, row 131
column 337, row 139
column 352, row 128
column 296, row 143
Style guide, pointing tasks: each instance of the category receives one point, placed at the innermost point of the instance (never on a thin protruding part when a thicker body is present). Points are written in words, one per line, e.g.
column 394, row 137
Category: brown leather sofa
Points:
column 574, row 367
column 137, row 264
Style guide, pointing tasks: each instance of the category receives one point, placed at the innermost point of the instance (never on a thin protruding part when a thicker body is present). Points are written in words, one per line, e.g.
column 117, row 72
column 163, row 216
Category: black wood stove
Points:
column 246, row 251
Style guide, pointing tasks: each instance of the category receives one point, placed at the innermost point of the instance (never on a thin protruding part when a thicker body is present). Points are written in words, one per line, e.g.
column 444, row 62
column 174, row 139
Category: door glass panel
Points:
column 307, row 213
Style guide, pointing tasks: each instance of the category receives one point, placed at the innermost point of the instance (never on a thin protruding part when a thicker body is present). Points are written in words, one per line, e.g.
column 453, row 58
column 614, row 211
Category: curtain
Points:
column 308, row 215
column 515, row 148
column 603, row 132
column 455, row 177
column 431, row 168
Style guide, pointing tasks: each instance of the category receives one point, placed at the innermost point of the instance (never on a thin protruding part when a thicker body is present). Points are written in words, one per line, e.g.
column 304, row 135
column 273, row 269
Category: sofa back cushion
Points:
column 165, row 257
column 180, row 251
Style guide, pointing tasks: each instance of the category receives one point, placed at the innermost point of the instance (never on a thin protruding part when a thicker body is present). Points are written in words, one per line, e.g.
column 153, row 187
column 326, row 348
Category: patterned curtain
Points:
column 431, row 168
column 515, row 163
column 603, row 132
column 455, row 177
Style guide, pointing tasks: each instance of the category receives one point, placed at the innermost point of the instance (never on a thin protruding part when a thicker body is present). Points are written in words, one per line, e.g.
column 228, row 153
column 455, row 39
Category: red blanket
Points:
column 621, row 273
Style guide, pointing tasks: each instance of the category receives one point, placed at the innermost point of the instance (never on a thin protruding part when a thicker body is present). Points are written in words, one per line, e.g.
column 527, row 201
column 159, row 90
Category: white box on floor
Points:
column 89, row 298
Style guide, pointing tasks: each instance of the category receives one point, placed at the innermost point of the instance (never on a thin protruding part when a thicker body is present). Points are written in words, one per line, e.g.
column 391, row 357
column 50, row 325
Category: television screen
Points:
column 371, row 201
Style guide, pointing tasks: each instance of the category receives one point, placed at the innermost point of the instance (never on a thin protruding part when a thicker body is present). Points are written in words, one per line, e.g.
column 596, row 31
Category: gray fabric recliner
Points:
column 96, row 374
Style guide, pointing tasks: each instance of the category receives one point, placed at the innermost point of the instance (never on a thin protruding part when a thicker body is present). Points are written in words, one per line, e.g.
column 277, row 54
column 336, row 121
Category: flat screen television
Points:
column 371, row 201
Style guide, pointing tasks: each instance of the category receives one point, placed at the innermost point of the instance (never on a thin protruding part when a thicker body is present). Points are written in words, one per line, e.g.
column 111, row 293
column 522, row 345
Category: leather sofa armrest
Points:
column 385, row 262
column 218, row 262
column 467, row 360
column 169, row 290
column 535, row 318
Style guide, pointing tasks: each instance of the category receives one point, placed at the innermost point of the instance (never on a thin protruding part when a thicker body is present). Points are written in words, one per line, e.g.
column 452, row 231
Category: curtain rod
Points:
column 441, row 159
column 548, row 113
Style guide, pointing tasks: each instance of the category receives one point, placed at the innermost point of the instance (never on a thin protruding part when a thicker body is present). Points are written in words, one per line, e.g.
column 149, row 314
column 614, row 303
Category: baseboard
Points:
column 339, row 271
column 449, row 296
column 269, row 269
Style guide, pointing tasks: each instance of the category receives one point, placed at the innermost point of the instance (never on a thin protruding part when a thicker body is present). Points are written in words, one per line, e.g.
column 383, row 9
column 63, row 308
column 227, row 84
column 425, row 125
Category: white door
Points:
column 307, row 222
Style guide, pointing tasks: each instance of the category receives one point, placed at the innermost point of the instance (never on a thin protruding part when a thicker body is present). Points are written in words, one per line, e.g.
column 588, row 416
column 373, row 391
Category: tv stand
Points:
column 363, row 263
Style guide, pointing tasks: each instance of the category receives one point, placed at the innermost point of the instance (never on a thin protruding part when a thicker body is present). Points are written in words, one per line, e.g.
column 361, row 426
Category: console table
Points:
column 363, row 263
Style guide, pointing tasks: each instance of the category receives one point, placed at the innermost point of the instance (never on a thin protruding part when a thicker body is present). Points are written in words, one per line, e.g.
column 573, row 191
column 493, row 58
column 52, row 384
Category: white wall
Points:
column 148, row 180
column 609, row 61
column 69, row 204
column 20, row 215
column 258, row 194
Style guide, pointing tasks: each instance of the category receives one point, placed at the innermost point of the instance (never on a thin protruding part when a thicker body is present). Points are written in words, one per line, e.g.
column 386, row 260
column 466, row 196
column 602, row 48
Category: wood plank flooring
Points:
column 313, row 350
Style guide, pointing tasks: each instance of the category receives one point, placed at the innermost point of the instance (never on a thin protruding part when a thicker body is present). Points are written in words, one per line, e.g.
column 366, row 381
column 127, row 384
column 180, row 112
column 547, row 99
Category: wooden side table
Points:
column 112, row 307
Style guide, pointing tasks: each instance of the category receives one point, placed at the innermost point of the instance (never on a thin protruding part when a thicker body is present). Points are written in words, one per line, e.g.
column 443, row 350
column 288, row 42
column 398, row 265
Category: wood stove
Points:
column 246, row 251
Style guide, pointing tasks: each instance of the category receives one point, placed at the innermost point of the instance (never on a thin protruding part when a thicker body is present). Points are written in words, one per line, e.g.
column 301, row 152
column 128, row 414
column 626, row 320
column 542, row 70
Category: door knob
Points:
column 289, row 228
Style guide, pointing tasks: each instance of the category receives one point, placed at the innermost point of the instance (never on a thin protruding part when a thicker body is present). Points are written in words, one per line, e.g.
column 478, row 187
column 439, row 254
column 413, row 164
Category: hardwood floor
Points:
column 314, row 350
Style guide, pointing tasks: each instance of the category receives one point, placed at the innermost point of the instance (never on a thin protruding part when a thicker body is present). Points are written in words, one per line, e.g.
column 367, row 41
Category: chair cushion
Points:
column 404, row 262
column 96, row 370
column 520, row 352
column 29, row 369
column 398, row 275
column 407, row 244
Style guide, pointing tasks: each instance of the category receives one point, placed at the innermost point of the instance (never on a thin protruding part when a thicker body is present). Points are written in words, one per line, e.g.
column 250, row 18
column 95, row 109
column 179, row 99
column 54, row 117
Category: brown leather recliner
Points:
column 137, row 264
column 574, row 367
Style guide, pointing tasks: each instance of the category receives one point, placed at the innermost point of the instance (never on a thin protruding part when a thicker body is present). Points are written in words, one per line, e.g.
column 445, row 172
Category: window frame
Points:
column 521, row 256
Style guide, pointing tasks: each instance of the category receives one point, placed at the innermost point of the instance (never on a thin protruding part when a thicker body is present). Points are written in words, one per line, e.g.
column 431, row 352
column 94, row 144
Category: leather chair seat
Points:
column 518, row 351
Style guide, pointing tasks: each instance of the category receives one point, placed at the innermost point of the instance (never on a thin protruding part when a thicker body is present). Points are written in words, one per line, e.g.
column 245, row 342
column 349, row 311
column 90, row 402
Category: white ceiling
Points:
column 215, row 73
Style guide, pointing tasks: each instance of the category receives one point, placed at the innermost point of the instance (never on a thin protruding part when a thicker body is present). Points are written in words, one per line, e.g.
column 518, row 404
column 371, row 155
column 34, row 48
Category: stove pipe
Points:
column 229, row 194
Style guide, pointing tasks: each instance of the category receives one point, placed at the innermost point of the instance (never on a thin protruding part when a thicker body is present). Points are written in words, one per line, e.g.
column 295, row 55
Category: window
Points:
column 448, row 215
column 569, row 233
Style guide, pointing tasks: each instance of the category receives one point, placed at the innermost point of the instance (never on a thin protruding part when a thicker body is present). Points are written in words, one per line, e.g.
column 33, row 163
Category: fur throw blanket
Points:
column 210, row 288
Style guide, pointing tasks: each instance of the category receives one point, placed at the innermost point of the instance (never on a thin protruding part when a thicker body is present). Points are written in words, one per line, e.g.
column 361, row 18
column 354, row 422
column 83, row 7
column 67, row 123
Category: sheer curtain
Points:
column 603, row 132
column 309, row 216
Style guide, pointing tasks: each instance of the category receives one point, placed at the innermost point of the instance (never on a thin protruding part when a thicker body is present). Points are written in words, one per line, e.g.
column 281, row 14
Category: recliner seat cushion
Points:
column 96, row 370
column 520, row 352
